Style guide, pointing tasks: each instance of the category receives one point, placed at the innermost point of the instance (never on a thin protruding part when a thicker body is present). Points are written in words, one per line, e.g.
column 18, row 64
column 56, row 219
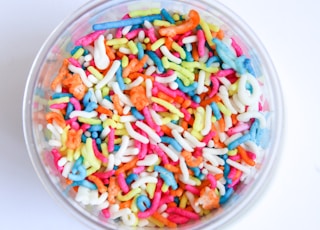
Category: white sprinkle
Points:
column 62, row 161
column 93, row 79
column 221, row 188
column 149, row 85
column 147, row 24
column 151, row 133
column 212, row 169
column 109, row 75
column 143, row 180
column 251, row 98
column 192, row 202
column 141, row 36
column 93, row 96
column 202, row 76
column 149, row 160
column 175, row 127
column 82, row 75
column 124, row 145
column 189, row 39
column 189, row 181
column 239, row 166
column 193, row 140
column 184, row 168
column 110, row 162
column 125, row 50
column 207, row 122
column 107, row 104
column 245, row 117
column 126, row 109
column 135, row 83
column 156, row 117
column 134, row 134
column 188, row 47
column 174, row 157
column 101, row 58
column 129, row 118
column 120, row 213
column 109, row 37
column 88, row 57
column 168, row 79
column 150, row 70
column 67, row 169
column 169, row 55
column 215, row 151
column 78, row 113
column 105, row 133
column 54, row 143
column 54, row 131
column 126, row 30
column 181, row 140
column 124, row 98
column 173, row 85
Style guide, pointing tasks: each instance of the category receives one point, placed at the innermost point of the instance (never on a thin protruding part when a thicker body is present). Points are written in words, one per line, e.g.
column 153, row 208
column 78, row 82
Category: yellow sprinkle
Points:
column 89, row 156
column 121, row 132
column 213, row 119
column 150, row 168
column 233, row 88
column 196, row 134
column 70, row 153
column 198, row 123
column 146, row 40
column 199, row 65
column 184, row 79
column 124, row 61
column 117, row 41
column 116, row 117
column 92, row 170
column 78, row 53
column 179, row 49
column 95, row 72
column 64, row 137
column 167, row 105
column 90, row 121
column 207, row 32
column 213, row 27
column 151, row 188
column 105, row 91
column 133, row 206
column 133, row 47
column 117, row 141
column 198, row 182
column 129, row 195
column 141, row 13
column 156, row 222
column 176, row 17
column 161, row 23
column 164, row 187
column 183, row 201
column 104, row 149
column 127, row 80
column 233, row 152
column 178, row 68
column 165, row 120
column 223, row 109
column 157, row 44
column 77, row 152
column 109, row 122
column 59, row 100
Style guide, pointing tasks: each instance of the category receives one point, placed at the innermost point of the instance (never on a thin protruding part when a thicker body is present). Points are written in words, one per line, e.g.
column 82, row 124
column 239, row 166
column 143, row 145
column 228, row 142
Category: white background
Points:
column 290, row 32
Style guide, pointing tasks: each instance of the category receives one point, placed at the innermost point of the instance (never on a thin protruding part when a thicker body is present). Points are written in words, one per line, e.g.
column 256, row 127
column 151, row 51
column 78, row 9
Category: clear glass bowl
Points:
column 58, row 46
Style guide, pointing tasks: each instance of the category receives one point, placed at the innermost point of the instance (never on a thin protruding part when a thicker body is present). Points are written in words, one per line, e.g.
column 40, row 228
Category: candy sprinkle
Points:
column 156, row 119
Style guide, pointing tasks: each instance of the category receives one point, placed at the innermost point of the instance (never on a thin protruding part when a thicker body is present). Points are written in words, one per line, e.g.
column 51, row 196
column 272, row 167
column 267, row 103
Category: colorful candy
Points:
column 156, row 119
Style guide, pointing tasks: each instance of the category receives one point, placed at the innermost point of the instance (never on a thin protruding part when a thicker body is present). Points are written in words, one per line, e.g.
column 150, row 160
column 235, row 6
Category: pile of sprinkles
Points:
column 156, row 119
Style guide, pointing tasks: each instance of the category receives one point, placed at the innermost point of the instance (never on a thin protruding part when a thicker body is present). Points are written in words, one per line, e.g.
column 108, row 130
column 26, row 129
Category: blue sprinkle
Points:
column 226, row 196
column 140, row 50
column 225, row 53
column 263, row 137
column 69, row 109
column 225, row 66
column 244, row 138
column 189, row 57
column 95, row 128
column 201, row 176
column 254, row 129
column 80, row 174
column 167, row 176
column 86, row 52
column 115, row 167
column 136, row 113
column 98, row 141
column 134, row 27
column 196, row 171
column 88, row 184
column 116, row 147
column 186, row 89
column 225, row 157
column 107, row 97
column 76, row 164
column 94, row 135
column 86, row 98
column 196, row 98
column 216, row 110
column 60, row 95
column 119, row 78
column 176, row 200
column 226, row 170
column 74, row 50
column 229, row 181
column 171, row 141
column 167, row 16
column 156, row 60
column 248, row 67
column 143, row 202
column 83, row 138
column 239, row 62
column 131, row 177
column 211, row 60
column 126, row 22
column 91, row 106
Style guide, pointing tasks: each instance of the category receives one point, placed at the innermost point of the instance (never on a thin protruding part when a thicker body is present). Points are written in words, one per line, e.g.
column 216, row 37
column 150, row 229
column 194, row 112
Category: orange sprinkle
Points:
column 63, row 71
column 168, row 43
column 57, row 117
column 135, row 75
column 119, row 54
column 171, row 204
column 218, row 176
column 191, row 162
column 74, row 138
column 96, row 180
column 184, row 124
column 129, row 68
column 138, row 97
column 173, row 168
column 165, row 97
column 125, row 204
column 164, row 220
column 105, row 71
column 140, row 64
column 195, row 53
column 234, row 119
column 178, row 192
column 179, row 99
column 186, row 103
column 113, row 190
column 75, row 85
column 166, row 130
column 220, row 34
column 244, row 156
column 116, row 102
column 208, row 101
column 127, row 166
column 110, row 52
column 104, row 110
column 222, row 125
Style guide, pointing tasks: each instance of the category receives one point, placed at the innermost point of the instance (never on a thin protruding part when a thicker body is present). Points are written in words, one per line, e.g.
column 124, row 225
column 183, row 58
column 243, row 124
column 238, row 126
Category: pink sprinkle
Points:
column 235, row 157
column 183, row 212
column 213, row 181
column 232, row 172
column 122, row 183
column 154, row 206
column 71, row 120
column 187, row 115
column 75, row 103
column 176, row 54
column 132, row 34
column 138, row 169
column 236, row 47
column 56, row 157
column 237, row 129
column 201, row 42
column 251, row 155
column 209, row 136
column 178, row 219
column 166, row 74
column 59, row 106
column 149, row 119
column 165, row 89
column 182, row 37
column 75, row 125
column 106, row 213
column 158, row 108
column 85, row 127
column 111, row 140
column 160, row 153
column 74, row 62
column 234, row 182
column 143, row 150
column 97, row 153
column 166, row 199
column 151, row 35
column 224, row 72
column 192, row 189
column 88, row 39
column 104, row 175
column 215, row 86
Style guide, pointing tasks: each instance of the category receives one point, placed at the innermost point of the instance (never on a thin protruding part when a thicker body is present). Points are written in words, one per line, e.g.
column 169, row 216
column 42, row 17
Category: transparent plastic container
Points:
column 58, row 46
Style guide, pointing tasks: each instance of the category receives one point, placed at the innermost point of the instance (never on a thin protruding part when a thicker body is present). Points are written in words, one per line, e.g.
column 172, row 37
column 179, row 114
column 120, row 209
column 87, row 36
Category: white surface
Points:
column 289, row 30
